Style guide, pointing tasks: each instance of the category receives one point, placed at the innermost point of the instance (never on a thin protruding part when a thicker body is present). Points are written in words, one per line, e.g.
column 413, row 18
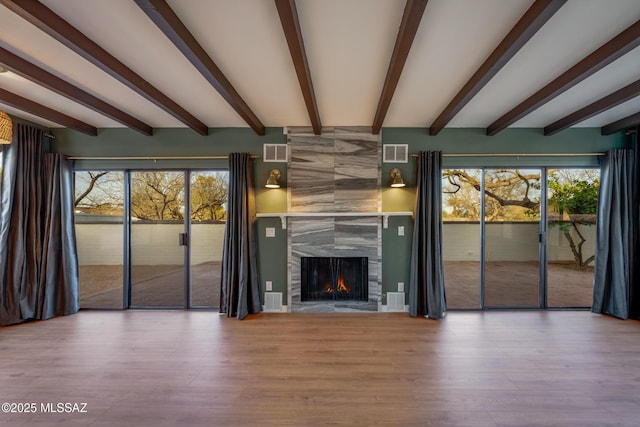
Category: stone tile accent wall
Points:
column 338, row 171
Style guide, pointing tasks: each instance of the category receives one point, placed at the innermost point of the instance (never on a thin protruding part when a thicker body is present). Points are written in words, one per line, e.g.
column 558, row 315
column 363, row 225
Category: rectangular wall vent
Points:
column 395, row 153
column 395, row 301
column 273, row 301
column 275, row 153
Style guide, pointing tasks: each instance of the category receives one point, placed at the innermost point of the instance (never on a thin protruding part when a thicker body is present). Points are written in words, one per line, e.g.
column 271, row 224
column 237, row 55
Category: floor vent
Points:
column 275, row 153
column 273, row 301
column 395, row 301
column 395, row 153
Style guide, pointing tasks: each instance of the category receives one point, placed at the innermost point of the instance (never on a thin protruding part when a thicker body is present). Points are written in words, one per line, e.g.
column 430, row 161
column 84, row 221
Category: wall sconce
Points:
column 273, row 182
column 6, row 128
column 396, row 178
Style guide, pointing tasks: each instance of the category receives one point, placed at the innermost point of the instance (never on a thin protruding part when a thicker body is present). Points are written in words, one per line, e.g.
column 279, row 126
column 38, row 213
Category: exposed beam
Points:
column 54, row 83
column 24, row 104
column 46, row 20
column 622, row 124
column 413, row 11
column 533, row 19
column 165, row 18
column 616, row 98
column 291, row 26
column 621, row 44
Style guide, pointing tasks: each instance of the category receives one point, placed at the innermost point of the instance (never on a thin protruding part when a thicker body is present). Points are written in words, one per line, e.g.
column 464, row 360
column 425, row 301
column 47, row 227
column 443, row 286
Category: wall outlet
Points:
column 269, row 285
column 401, row 230
column 400, row 286
column 271, row 232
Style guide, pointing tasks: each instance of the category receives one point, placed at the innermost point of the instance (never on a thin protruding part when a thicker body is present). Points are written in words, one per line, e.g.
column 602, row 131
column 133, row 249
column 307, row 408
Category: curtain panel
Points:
column 38, row 261
column 240, row 287
column 616, row 275
column 426, row 285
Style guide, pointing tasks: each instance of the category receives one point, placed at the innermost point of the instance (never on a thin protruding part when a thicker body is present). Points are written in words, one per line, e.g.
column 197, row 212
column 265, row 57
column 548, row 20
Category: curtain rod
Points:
column 154, row 158
column 413, row 155
column 517, row 154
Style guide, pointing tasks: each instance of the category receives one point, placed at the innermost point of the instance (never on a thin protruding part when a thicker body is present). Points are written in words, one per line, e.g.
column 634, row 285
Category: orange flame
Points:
column 341, row 286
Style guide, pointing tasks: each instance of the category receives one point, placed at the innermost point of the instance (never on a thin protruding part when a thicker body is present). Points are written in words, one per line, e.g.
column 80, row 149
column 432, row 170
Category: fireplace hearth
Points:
column 334, row 278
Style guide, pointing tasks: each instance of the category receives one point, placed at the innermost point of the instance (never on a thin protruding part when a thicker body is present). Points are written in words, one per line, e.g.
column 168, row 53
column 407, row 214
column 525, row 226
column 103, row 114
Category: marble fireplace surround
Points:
column 334, row 176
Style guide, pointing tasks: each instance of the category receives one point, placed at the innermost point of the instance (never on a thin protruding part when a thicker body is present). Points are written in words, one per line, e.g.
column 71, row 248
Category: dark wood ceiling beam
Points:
column 413, row 11
column 621, row 44
column 622, row 124
column 529, row 24
column 165, row 18
column 616, row 98
column 46, row 20
column 31, row 107
column 292, row 32
column 32, row 72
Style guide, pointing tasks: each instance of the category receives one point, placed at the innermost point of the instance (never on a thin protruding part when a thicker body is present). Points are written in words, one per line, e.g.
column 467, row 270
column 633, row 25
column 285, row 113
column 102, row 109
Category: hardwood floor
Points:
column 168, row 368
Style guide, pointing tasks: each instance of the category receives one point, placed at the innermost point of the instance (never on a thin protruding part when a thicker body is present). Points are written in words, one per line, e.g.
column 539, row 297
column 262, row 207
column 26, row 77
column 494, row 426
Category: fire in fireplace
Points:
column 334, row 278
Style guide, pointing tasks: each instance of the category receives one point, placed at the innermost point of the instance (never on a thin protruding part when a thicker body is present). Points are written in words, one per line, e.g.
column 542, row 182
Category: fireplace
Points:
column 334, row 278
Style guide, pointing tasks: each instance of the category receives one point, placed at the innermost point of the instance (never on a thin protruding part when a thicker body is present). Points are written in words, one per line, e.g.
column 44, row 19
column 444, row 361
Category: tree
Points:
column 155, row 195
column 579, row 200
column 209, row 197
column 506, row 189
column 93, row 179
column 99, row 192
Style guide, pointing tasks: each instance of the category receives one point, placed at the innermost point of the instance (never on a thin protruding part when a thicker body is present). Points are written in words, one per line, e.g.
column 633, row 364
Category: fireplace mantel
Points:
column 284, row 215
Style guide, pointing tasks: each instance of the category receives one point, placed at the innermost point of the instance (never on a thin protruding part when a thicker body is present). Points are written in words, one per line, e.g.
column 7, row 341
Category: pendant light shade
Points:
column 6, row 128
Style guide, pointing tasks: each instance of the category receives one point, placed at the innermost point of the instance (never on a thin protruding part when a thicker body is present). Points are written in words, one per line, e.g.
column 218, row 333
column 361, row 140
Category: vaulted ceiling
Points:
column 145, row 64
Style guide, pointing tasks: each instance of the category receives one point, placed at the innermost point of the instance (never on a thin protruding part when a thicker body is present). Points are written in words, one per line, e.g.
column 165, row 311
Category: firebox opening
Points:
column 334, row 278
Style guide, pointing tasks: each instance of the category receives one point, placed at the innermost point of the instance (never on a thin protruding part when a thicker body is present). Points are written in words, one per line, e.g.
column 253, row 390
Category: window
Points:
column 99, row 208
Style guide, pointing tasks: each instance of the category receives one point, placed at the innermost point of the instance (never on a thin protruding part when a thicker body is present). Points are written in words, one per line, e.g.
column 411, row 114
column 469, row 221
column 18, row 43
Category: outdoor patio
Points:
column 508, row 284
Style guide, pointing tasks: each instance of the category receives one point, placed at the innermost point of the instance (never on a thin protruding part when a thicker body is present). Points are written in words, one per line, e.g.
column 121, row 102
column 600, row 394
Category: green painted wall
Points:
column 396, row 249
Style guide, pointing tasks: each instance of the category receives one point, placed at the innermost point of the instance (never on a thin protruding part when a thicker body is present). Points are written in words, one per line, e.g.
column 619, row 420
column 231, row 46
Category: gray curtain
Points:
column 38, row 261
column 240, row 290
column 616, row 289
column 426, row 284
column 634, row 291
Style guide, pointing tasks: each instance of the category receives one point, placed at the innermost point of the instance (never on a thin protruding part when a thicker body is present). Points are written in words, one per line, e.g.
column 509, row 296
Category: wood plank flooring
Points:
column 169, row 368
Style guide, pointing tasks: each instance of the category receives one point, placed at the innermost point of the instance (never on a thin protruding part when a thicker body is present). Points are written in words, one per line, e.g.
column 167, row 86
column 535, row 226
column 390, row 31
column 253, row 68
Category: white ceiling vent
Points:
column 275, row 153
column 395, row 153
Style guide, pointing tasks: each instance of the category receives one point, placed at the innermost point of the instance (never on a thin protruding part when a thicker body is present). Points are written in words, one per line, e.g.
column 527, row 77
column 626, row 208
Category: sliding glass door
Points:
column 512, row 237
column 208, row 218
column 165, row 252
column 158, row 239
column 99, row 223
column 461, row 214
column 572, row 209
column 519, row 238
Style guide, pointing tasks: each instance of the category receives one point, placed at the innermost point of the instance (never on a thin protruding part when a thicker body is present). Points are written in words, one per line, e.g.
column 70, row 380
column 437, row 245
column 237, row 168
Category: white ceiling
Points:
column 348, row 45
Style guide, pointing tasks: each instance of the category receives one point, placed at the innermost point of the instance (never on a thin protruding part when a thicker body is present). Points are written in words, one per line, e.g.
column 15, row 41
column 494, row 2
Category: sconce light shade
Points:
column 273, row 182
column 396, row 178
column 6, row 128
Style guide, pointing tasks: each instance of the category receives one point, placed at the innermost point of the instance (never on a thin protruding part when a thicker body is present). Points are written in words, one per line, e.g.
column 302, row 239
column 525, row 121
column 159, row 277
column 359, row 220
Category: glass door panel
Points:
column 208, row 218
column 461, row 214
column 99, row 226
column 511, row 247
column 572, row 209
column 157, row 256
